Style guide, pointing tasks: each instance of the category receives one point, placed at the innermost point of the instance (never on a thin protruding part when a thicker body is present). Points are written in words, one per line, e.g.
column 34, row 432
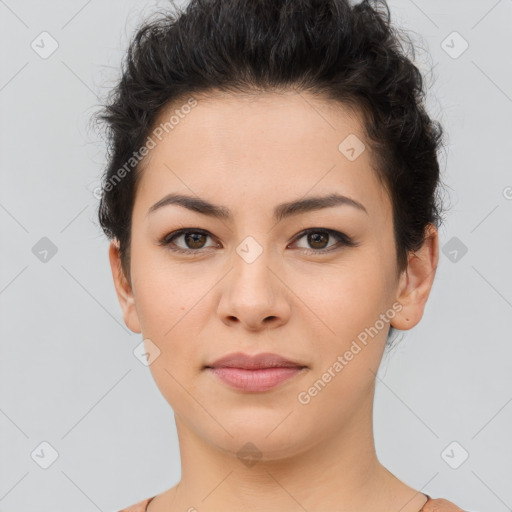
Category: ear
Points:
column 123, row 289
column 416, row 281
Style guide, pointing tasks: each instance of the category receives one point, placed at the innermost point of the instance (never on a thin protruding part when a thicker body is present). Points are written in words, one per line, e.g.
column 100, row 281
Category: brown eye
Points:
column 317, row 240
column 193, row 240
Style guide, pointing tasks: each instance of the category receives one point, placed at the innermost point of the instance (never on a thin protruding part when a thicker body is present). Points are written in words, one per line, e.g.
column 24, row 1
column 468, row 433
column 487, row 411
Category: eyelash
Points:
column 343, row 240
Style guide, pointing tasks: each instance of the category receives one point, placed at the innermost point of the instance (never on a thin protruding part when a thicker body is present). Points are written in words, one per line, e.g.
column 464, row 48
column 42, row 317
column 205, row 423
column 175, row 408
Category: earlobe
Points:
column 123, row 289
column 416, row 282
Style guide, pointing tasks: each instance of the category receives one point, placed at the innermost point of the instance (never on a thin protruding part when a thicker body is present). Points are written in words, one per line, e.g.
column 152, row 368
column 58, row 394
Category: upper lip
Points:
column 258, row 361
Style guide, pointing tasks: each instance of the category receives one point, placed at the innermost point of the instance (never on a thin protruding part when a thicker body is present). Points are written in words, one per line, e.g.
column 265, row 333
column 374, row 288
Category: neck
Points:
column 340, row 472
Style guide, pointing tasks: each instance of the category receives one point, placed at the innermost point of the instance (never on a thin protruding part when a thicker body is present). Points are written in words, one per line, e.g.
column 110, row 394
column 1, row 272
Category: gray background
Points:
column 67, row 372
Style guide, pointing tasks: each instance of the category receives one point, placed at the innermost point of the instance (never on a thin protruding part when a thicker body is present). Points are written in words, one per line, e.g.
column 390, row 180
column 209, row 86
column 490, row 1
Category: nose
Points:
column 254, row 296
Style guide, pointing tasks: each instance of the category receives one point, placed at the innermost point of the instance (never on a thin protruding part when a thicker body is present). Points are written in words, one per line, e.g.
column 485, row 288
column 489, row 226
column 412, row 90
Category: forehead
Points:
column 262, row 147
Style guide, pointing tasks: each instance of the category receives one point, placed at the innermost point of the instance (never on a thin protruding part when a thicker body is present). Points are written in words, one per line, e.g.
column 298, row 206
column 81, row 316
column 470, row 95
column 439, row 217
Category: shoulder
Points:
column 138, row 507
column 440, row 505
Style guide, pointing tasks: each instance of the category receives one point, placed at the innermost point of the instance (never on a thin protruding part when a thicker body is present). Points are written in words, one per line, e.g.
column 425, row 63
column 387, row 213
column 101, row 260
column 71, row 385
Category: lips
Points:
column 254, row 374
column 256, row 362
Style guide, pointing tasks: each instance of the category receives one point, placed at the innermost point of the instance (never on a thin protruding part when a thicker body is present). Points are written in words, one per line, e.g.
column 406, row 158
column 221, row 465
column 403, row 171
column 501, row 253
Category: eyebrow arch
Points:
column 281, row 211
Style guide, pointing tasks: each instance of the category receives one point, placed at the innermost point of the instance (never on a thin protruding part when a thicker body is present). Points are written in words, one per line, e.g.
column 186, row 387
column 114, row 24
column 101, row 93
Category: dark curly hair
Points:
column 347, row 53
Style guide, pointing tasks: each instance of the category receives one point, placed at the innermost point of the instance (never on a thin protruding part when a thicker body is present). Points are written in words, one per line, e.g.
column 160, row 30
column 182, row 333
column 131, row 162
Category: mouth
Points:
column 255, row 374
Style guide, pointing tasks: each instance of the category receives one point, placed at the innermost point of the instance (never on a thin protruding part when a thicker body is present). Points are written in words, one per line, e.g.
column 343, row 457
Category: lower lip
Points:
column 255, row 380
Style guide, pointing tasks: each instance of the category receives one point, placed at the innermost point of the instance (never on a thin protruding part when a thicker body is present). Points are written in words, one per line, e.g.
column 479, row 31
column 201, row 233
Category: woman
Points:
column 271, row 201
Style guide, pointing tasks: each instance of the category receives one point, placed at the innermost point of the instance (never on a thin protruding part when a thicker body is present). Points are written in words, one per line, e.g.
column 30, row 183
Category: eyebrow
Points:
column 281, row 211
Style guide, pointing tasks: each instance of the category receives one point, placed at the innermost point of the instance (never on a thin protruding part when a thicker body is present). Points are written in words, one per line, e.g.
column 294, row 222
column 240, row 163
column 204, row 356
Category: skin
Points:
column 250, row 153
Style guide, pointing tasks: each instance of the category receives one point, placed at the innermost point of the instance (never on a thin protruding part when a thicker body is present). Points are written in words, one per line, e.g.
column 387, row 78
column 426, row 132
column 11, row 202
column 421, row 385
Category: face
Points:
column 315, row 283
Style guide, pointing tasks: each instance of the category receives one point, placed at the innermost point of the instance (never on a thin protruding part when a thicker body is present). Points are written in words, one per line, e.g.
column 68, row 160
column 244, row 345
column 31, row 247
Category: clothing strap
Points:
column 421, row 510
column 426, row 502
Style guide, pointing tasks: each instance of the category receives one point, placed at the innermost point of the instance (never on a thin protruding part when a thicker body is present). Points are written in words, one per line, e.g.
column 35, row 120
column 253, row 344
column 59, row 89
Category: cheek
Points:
column 167, row 293
column 348, row 304
column 170, row 308
column 345, row 298
column 349, row 341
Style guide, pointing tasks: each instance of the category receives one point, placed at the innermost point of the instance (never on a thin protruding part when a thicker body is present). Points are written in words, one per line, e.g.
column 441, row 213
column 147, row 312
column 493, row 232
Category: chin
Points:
column 268, row 438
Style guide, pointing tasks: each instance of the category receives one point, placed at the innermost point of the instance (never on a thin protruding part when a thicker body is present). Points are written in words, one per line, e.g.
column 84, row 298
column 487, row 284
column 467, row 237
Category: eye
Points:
column 317, row 238
column 192, row 238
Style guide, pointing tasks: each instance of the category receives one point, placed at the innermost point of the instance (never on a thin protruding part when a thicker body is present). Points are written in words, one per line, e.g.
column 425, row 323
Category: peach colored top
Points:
column 431, row 505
